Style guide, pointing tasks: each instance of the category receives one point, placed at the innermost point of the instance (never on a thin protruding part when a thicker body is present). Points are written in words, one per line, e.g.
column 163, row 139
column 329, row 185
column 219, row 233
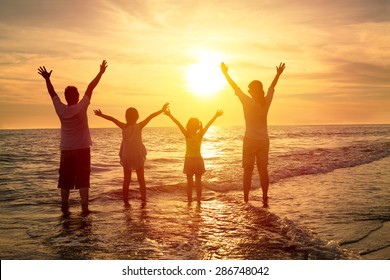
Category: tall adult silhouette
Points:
column 256, row 139
column 75, row 163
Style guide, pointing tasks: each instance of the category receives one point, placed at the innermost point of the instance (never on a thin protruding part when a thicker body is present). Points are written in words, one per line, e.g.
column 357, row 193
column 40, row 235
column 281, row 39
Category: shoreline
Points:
column 341, row 218
column 216, row 125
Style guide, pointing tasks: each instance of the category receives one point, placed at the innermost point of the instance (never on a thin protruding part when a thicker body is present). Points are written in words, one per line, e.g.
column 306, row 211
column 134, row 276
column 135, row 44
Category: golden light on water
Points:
column 204, row 77
column 208, row 151
column 211, row 148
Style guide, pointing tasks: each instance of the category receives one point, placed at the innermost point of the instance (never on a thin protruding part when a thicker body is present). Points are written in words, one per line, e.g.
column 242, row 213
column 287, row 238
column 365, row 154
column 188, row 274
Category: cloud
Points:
column 48, row 14
column 357, row 73
column 335, row 51
column 328, row 14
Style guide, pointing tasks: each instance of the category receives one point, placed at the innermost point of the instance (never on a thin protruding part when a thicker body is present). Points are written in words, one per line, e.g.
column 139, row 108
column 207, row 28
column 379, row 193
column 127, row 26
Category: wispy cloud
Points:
column 335, row 50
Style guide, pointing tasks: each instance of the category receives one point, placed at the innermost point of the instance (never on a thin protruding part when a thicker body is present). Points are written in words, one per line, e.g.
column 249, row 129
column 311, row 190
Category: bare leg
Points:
column 247, row 182
column 84, row 195
column 264, row 182
column 126, row 184
column 190, row 184
column 65, row 201
column 141, row 182
column 198, row 185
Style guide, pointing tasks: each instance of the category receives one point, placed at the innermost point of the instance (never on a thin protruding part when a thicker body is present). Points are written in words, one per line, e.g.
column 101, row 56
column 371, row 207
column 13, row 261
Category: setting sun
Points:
column 204, row 77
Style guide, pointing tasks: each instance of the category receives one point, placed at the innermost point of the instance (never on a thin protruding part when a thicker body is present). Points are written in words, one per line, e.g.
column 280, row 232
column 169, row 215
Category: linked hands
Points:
column 167, row 112
column 165, row 108
column 43, row 72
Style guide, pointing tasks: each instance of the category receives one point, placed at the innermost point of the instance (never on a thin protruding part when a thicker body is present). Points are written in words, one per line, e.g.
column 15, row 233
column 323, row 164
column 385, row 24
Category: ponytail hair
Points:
column 193, row 124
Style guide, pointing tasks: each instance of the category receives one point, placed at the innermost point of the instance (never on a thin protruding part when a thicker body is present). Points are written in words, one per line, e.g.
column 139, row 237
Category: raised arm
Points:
column 107, row 117
column 279, row 71
column 96, row 80
column 46, row 75
column 155, row 114
column 271, row 89
column 217, row 114
column 224, row 69
column 181, row 127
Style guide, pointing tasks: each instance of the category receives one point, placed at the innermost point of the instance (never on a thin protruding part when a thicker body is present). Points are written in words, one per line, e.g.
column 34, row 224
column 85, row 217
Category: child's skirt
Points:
column 132, row 159
column 194, row 165
column 133, row 151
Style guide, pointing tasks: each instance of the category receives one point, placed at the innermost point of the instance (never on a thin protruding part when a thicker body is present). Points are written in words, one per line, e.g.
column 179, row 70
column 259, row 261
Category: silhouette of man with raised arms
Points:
column 256, row 140
column 75, row 163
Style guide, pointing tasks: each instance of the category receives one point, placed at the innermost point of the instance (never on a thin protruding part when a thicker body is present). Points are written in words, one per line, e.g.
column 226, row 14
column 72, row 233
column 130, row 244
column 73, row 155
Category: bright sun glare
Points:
column 204, row 78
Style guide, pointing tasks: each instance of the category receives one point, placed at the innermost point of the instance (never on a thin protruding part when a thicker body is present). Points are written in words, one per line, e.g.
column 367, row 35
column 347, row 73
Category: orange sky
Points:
column 336, row 55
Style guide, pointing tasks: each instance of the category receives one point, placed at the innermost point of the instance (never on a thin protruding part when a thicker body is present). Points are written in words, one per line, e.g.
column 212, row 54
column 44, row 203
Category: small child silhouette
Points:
column 132, row 152
column 193, row 163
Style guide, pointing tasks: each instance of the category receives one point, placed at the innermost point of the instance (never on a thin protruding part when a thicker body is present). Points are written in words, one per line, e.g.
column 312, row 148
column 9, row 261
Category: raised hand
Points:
column 280, row 69
column 224, row 68
column 219, row 113
column 98, row 113
column 96, row 80
column 103, row 67
column 43, row 72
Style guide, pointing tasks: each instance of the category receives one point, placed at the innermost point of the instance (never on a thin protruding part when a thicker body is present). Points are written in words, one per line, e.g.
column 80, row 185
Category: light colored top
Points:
column 193, row 144
column 132, row 152
column 74, row 124
column 255, row 115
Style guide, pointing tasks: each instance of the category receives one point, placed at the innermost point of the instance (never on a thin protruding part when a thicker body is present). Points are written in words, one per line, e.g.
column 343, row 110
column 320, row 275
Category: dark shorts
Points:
column 75, row 169
column 194, row 165
column 255, row 151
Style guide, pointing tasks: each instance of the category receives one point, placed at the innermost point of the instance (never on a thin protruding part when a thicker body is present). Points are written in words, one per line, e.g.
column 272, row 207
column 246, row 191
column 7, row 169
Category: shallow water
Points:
column 357, row 224
column 329, row 198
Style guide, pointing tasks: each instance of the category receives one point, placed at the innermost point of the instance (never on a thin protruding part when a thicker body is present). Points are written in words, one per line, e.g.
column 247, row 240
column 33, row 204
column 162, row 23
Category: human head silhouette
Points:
column 193, row 125
column 72, row 95
column 131, row 115
column 255, row 89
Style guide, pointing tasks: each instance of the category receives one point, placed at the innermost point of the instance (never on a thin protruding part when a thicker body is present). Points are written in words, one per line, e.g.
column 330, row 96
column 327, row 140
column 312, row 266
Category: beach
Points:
column 329, row 198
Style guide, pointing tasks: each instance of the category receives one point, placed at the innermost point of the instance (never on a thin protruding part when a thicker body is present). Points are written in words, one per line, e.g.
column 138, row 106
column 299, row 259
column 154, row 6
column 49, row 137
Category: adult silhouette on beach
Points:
column 75, row 163
column 256, row 140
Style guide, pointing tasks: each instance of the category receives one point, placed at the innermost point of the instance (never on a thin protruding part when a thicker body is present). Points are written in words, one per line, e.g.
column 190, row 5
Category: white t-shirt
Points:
column 255, row 115
column 74, row 124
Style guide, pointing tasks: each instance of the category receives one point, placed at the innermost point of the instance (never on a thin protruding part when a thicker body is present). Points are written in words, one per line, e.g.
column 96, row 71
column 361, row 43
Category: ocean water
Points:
column 329, row 198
